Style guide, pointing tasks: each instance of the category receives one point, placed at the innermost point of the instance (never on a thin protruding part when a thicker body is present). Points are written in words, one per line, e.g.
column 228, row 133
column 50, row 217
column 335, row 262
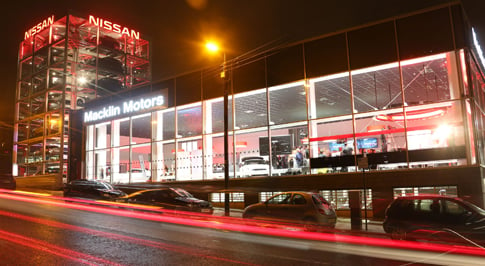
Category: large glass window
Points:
column 251, row 161
column 427, row 79
column 334, row 144
column 163, row 161
column 383, row 141
column 102, row 164
column 36, row 128
column 24, row 89
column 164, row 124
column 214, row 156
column 121, row 130
column 251, row 109
column 436, row 136
column 37, row 104
column 39, row 82
column 36, row 151
column 189, row 159
column 339, row 199
column 289, row 149
column 103, row 135
column 287, row 104
column 189, row 121
column 141, row 129
column 376, row 88
column 25, row 69
column 330, row 96
column 451, row 191
column 121, row 165
column 214, row 112
column 140, row 163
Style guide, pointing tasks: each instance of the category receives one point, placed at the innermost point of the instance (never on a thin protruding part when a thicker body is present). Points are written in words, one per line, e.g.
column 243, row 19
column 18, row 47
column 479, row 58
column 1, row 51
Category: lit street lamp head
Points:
column 212, row 47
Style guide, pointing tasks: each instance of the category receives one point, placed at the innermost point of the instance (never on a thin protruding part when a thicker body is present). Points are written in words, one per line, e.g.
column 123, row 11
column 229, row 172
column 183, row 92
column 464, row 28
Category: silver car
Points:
column 307, row 208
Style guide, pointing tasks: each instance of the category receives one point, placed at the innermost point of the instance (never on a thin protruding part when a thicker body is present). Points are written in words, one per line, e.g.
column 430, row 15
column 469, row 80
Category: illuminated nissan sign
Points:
column 39, row 27
column 124, row 108
column 116, row 28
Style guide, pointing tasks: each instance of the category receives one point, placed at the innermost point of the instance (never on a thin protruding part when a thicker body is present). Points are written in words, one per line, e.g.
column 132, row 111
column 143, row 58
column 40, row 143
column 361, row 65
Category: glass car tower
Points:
column 62, row 65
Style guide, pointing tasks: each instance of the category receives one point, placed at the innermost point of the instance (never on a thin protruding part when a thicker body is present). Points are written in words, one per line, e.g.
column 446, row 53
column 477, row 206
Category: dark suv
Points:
column 169, row 198
column 435, row 218
column 7, row 181
column 92, row 189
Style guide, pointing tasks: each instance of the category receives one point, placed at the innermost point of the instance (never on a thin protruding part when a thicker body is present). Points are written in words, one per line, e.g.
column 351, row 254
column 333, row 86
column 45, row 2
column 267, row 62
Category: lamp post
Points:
column 212, row 47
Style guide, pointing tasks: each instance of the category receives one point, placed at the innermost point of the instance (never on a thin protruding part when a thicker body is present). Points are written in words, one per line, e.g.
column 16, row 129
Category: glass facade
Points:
column 60, row 69
column 405, row 114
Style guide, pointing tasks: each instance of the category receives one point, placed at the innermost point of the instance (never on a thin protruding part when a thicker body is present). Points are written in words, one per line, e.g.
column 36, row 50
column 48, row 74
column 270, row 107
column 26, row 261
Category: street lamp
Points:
column 212, row 47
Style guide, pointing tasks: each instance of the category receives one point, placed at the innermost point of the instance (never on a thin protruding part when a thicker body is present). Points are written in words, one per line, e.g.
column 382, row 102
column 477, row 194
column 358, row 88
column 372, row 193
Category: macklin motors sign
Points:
column 125, row 108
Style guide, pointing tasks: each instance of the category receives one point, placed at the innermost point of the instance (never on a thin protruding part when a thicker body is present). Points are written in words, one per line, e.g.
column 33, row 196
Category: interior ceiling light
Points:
column 241, row 144
column 413, row 115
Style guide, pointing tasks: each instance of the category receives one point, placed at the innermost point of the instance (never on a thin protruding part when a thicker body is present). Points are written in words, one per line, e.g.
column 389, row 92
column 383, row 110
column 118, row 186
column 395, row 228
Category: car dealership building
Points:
column 391, row 107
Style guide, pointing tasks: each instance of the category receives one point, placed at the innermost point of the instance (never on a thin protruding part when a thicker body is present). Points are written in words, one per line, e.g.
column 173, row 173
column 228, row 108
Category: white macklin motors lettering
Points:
column 128, row 107
column 134, row 106
column 102, row 114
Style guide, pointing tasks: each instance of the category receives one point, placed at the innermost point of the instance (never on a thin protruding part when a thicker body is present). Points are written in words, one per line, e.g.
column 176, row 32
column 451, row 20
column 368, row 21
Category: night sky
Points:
column 179, row 28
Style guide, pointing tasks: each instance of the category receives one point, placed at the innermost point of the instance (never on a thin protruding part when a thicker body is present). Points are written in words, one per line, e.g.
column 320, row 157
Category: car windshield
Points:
column 103, row 185
column 254, row 162
column 182, row 193
column 474, row 207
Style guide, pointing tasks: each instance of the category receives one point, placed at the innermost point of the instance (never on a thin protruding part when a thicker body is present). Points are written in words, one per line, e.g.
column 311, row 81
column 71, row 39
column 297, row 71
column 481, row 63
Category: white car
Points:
column 253, row 166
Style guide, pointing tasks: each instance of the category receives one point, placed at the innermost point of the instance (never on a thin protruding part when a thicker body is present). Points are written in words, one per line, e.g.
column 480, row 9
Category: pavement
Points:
column 343, row 223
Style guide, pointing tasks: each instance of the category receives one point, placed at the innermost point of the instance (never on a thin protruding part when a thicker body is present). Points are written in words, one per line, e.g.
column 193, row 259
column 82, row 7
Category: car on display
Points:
column 435, row 218
column 7, row 181
column 106, row 86
column 92, row 189
column 169, row 198
column 137, row 176
column 253, row 166
column 107, row 65
column 307, row 208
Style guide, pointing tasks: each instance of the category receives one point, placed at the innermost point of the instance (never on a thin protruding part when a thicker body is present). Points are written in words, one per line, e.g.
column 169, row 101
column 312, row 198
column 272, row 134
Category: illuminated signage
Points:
column 478, row 48
column 39, row 27
column 108, row 25
column 123, row 108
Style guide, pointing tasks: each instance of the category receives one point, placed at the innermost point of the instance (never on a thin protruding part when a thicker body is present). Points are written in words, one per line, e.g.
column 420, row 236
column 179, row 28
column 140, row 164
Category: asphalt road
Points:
column 45, row 231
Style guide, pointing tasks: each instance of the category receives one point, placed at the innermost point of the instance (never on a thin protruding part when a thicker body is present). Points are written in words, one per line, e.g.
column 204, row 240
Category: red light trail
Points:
column 53, row 249
column 247, row 226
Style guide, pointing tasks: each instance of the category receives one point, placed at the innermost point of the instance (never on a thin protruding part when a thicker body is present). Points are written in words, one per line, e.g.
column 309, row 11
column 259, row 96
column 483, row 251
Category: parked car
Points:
column 169, row 198
column 295, row 206
column 253, row 166
column 434, row 217
column 92, row 189
column 7, row 181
